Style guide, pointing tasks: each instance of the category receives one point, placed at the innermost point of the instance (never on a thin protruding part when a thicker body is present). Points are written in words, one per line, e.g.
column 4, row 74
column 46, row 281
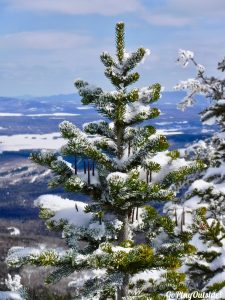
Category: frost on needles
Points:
column 118, row 244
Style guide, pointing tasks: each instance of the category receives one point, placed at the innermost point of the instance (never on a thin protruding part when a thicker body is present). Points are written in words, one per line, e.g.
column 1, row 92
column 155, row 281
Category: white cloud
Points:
column 199, row 8
column 191, row 12
column 74, row 7
column 43, row 40
column 175, row 13
column 179, row 13
column 164, row 19
column 160, row 16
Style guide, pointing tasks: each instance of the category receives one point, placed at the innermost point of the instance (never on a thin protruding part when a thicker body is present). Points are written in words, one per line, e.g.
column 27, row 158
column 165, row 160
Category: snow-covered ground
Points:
column 83, row 107
column 31, row 141
column 59, row 114
column 171, row 131
column 51, row 141
column 10, row 296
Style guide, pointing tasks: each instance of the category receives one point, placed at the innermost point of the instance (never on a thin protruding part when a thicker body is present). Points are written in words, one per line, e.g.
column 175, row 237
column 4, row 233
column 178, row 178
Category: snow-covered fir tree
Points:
column 120, row 247
column 207, row 193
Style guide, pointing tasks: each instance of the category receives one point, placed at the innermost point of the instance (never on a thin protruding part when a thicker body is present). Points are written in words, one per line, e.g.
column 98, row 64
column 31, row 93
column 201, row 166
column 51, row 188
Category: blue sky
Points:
column 46, row 44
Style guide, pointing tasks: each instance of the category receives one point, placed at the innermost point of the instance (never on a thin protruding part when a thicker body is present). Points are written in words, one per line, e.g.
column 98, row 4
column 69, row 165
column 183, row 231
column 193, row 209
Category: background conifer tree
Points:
column 118, row 243
column 207, row 193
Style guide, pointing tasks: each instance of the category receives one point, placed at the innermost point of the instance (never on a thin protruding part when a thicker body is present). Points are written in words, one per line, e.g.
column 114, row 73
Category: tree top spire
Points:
column 120, row 44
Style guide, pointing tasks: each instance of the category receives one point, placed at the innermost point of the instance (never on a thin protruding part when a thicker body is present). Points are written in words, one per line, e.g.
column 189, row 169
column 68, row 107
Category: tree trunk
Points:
column 122, row 236
column 124, row 232
column 120, row 137
column 123, row 291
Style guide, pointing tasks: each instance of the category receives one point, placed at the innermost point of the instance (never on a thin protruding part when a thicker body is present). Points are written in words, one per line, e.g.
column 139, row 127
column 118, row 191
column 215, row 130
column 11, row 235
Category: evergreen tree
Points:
column 119, row 245
column 207, row 193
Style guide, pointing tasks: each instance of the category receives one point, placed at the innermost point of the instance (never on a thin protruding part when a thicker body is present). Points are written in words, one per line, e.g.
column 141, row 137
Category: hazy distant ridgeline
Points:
column 42, row 115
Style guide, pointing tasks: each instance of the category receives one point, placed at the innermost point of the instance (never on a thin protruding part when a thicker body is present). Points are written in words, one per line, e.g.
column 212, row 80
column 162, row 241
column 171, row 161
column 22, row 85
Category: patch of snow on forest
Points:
column 13, row 231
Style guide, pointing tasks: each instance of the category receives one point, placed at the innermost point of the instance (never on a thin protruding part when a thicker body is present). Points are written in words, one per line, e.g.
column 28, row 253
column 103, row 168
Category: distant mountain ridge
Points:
column 49, row 97
column 19, row 104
